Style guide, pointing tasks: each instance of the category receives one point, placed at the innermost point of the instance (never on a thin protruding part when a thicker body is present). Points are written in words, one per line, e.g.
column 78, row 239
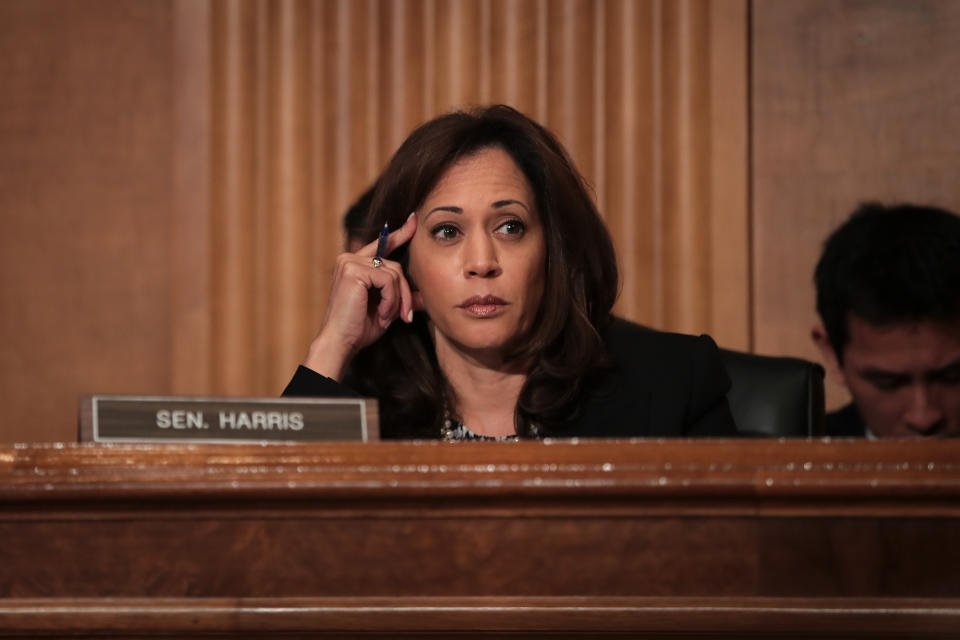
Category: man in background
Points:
column 888, row 296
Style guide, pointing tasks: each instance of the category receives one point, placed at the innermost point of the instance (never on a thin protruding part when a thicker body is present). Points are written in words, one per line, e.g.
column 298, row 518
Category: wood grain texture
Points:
column 852, row 102
column 760, row 538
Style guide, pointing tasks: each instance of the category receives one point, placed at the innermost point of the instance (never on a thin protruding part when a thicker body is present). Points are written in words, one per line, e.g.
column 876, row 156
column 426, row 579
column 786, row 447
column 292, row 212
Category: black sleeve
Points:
column 708, row 413
column 307, row 382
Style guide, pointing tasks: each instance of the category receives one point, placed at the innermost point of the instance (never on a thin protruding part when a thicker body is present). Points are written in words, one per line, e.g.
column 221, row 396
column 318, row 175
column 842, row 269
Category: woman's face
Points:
column 478, row 256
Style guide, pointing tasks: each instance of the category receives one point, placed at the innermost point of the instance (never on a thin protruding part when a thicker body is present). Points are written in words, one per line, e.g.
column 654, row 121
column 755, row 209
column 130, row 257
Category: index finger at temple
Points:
column 396, row 239
column 402, row 235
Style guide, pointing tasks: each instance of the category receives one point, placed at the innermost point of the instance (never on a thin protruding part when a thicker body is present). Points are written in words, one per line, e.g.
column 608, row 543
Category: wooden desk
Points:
column 639, row 538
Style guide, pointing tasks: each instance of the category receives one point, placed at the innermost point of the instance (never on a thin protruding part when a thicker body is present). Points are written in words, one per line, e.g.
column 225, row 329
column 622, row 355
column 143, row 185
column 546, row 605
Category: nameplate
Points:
column 125, row 418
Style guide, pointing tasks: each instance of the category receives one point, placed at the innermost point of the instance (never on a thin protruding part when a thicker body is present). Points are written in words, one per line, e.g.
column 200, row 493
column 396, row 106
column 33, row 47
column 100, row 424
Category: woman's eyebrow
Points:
column 503, row 203
column 496, row 205
column 445, row 208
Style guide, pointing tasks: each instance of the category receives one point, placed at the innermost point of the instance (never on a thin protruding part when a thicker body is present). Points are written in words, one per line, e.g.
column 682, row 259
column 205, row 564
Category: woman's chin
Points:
column 481, row 345
column 492, row 344
column 483, row 341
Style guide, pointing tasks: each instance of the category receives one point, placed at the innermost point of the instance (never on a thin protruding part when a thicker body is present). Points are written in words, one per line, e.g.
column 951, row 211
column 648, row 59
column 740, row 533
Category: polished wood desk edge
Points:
column 922, row 456
column 879, row 615
column 924, row 474
column 744, row 451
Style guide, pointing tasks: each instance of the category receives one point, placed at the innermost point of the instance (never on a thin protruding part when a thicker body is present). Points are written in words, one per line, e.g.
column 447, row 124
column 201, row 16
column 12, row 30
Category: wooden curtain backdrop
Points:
column 289, row 109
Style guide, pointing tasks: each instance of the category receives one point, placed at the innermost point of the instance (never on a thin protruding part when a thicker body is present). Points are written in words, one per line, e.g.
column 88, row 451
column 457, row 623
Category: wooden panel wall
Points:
column 85, row 170
column 172, row 174
column 852, row 101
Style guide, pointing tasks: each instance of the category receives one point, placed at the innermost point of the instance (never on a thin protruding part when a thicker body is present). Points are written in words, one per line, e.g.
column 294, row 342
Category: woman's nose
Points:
column 481, row 259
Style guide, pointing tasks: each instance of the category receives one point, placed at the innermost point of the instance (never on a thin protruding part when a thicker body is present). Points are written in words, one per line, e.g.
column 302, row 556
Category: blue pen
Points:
column 381, row 246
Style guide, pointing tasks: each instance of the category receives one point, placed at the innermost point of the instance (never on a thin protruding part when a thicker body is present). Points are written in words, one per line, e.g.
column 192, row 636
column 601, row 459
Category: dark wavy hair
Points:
column 889, row 265
column 356, row 216
column 564, row 344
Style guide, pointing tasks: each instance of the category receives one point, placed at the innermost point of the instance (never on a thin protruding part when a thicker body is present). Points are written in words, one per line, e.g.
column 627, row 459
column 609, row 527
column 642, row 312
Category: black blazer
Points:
column 661, row 385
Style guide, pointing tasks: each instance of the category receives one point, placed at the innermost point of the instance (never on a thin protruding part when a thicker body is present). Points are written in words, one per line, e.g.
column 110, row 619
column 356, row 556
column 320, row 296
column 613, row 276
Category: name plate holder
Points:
column 188, row 419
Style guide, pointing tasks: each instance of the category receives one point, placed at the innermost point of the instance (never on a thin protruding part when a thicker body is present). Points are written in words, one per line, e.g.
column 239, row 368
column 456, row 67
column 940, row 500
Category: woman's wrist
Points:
column 328, row 357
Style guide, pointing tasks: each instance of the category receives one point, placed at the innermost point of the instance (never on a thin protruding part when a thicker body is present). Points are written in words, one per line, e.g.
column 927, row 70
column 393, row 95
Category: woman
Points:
column 491, row 318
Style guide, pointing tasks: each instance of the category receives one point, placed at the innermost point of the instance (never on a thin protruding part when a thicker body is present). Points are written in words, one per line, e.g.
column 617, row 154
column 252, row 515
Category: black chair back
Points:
column 775, row 396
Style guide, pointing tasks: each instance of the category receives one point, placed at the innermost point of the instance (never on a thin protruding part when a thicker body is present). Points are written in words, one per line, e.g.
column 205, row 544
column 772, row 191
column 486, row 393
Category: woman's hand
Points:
column 363, row 301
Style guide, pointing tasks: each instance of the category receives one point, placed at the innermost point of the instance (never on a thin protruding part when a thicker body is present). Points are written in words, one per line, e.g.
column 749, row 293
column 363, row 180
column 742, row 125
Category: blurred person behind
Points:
column 888, row 296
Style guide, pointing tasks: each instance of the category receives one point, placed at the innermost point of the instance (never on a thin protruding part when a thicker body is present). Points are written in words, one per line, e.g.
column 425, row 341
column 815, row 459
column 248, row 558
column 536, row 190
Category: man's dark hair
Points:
column 564, row 344
column 355, row 219
column 889, row 265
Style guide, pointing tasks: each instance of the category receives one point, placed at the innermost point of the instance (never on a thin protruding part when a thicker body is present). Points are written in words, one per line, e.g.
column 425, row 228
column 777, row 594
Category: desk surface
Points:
column 764, row 537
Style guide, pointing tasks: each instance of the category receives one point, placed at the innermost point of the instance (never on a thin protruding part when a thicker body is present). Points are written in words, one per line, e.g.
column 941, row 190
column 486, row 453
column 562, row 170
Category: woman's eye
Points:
column 445, row 232
column 512, row 228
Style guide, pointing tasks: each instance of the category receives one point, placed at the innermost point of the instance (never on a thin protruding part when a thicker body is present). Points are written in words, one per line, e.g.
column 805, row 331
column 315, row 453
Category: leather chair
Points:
column 775, row 397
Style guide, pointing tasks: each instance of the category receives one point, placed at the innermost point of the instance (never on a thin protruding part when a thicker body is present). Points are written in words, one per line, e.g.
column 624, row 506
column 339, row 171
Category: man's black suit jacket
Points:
column 661, row 385
column 846, row 423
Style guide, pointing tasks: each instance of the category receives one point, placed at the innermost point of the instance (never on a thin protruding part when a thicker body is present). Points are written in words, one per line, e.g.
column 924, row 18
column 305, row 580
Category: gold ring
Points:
column 377, row 261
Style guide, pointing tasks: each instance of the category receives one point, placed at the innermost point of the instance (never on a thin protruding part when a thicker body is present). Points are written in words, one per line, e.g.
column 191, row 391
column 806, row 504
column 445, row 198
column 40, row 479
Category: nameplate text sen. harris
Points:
column 128, row 418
